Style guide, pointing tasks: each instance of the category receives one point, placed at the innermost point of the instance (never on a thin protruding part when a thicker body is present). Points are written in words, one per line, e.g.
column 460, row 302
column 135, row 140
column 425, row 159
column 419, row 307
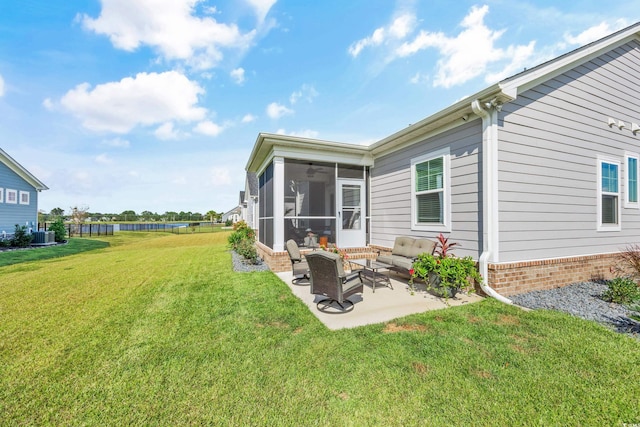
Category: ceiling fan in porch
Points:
column 311, row 171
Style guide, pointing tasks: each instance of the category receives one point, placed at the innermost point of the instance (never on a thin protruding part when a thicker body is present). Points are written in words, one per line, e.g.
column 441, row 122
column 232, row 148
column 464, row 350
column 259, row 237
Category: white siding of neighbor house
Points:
column 550, row 138
column 391, row 189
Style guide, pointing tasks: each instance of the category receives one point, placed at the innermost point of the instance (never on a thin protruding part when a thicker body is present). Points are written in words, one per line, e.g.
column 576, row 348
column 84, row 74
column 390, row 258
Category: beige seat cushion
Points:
column 402, row 246
column 421, row 246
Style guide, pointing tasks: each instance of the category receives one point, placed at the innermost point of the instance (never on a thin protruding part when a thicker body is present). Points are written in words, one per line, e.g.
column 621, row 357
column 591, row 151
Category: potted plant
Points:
column 445, row 274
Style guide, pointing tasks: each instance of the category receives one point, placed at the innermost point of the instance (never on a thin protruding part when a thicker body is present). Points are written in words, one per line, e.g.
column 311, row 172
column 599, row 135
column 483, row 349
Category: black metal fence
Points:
column 90, row 230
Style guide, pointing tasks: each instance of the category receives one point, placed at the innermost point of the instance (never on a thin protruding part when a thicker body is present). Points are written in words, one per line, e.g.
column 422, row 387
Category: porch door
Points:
column 351, row 218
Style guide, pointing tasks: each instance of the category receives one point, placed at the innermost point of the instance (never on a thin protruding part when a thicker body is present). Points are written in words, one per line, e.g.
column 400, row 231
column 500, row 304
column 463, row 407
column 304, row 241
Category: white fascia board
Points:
column 269, row 146
column 19, row 170
column 562, row 64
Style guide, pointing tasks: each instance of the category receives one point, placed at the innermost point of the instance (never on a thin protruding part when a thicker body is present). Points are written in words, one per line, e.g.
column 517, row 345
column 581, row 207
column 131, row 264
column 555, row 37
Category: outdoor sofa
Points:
column 405, row 251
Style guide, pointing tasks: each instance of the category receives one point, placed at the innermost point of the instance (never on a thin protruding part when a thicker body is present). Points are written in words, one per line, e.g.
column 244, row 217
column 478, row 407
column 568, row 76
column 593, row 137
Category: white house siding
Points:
column 550, row 138
column 391, row 189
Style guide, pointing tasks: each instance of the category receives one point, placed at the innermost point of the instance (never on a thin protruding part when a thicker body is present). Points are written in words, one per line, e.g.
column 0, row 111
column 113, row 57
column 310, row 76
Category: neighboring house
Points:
column 18, row 196
column 234, row 215
column 536, row 176
column 250, row 201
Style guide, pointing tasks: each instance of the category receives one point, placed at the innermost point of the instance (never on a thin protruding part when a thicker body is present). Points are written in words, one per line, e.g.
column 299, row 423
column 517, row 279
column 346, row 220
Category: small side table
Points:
column 371, row 272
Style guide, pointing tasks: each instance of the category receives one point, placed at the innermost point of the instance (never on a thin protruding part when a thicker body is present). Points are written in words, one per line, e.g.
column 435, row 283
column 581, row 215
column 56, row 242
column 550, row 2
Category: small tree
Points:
column 79, row 214
column 21, row 239
column 58, row 228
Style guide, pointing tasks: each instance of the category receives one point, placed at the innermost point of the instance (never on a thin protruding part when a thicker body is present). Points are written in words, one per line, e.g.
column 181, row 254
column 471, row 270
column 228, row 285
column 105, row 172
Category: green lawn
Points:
column 157, row 329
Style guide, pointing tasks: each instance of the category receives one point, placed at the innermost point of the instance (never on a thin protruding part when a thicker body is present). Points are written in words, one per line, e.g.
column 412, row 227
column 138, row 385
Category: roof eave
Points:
column 442, row 118
column 266, row 142
column 21, row 171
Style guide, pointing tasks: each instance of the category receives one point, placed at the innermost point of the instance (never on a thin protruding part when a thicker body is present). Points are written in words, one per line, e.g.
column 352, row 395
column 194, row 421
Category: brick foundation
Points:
column 279, row 261
column 520, row 277
column 507, row 279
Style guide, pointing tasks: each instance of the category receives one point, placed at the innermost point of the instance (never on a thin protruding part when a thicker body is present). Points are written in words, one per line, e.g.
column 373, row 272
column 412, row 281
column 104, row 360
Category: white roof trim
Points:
column 21, row 171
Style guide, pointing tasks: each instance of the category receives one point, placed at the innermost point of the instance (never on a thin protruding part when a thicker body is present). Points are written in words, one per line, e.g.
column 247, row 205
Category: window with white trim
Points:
column 632, row 165
column 430, row 192
column 12, row 196
column 1, row 195
column 24, row 197
column 608, row 195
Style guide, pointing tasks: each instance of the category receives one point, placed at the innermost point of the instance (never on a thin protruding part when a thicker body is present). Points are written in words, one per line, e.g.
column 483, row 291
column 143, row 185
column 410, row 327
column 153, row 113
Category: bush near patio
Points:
column 444, row 273
column 157, row 329
column 242, row 240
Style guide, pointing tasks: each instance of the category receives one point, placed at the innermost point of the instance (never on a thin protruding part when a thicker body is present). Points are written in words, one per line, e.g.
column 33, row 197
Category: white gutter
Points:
column 490, row 222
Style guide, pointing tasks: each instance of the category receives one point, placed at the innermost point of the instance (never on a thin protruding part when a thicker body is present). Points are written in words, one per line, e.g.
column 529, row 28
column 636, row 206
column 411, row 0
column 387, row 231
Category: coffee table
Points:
column 370, row 272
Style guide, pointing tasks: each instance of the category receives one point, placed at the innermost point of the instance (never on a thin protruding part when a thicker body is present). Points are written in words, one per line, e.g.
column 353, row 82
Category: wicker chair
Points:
column 328, row 279
column 299, row 266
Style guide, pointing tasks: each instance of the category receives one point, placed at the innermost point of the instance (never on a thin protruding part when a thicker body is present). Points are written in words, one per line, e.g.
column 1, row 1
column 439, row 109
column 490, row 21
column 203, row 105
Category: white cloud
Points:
column 399, row 28
column 166, row 132
column 261, row 8
column 237, row 75
column 48, row 104
column 306, row 133
column 248, row 118
column 419, row 78
column 144, row 100
column 468, row 54
column 306, row 92
column 171, row 28
column 594, row 33
column 117, row 143
column 1, row 86
column 208, row 128
column 103, row 159
column 220, row 176
column 275, row 110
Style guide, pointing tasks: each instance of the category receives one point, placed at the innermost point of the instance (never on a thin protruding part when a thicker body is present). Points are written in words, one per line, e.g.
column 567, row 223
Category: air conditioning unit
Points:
column 43, row 238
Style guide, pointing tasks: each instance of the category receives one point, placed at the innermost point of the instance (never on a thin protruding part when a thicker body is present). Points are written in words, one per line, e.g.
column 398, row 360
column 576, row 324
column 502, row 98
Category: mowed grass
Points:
column 74, row 246
column 158, row 330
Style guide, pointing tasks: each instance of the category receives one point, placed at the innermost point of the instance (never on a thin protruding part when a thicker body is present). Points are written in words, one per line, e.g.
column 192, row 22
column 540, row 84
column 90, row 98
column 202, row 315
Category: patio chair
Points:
column 329, row 279
column 299, row 266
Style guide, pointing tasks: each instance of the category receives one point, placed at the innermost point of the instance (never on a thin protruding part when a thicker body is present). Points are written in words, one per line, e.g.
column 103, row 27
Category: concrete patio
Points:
column 380, row 306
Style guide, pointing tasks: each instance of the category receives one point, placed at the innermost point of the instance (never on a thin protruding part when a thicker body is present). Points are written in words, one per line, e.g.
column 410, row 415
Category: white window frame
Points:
column 445, row 225
column 601, row 226
column 1, row 195
column 24, row 193
column 627, row 193
column 15, row 196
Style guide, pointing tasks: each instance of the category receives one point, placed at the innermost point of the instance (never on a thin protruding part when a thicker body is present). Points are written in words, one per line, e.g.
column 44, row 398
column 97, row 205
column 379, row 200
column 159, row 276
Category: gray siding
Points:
column 550, row 137
column 391, row 189
column 12, row 214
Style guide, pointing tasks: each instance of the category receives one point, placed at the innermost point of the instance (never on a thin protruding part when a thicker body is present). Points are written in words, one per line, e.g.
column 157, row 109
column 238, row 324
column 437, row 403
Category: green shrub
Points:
column 5, row 243
column 622, row 290
column 247, row 250
column 242, row 241
column 21, row 239
column 241, row 231
column 58, row 228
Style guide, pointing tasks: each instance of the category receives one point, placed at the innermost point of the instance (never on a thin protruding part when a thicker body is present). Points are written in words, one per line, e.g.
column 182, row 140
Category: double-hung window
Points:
column 11, row 196
column 631, row 180
column 608, row 195
column 430, row 192
column 24, row 197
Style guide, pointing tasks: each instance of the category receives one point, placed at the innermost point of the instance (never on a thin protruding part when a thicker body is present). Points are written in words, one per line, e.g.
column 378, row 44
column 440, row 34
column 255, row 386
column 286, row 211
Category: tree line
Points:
column 80, row 214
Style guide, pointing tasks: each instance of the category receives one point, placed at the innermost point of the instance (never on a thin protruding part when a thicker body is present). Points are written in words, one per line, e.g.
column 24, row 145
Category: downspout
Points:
column 489, row 194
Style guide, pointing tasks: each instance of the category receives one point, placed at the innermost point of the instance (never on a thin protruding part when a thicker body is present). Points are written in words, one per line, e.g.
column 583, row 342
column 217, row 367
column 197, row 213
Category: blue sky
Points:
column 156, row 104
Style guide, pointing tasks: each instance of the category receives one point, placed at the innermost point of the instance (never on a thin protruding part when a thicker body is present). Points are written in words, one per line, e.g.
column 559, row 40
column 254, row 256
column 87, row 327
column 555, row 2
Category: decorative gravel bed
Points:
column 582, row 300
column 241, row 265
